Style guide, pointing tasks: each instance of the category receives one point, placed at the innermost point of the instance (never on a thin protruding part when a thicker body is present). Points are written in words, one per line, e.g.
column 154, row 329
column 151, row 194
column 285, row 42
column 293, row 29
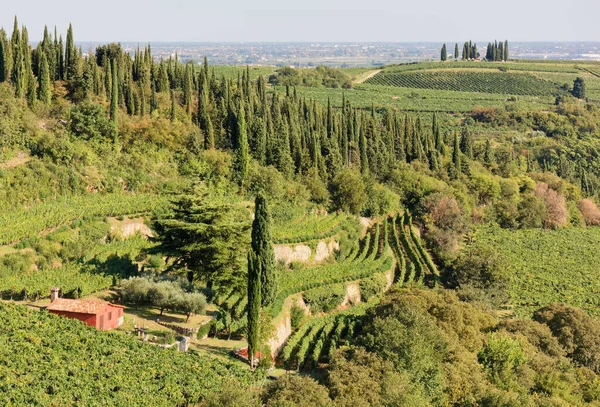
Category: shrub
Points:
column 325, row 298
column 296, row 316
column 370, row 287
column 590, row 212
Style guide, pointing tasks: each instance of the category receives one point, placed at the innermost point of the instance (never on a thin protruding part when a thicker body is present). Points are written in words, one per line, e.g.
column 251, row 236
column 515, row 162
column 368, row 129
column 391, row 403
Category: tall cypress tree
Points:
column 466, row 143
column 70, row 57
column 263, row 249
column 506, row 50
column 44, row 91
column 31, row 90
column 2, row 62
column 241, row 148
column 455, row 51
column 108, row 77
column 173, row 116
column 114, row 101
column 253, row 307
column 456, row 155
column 444, row 53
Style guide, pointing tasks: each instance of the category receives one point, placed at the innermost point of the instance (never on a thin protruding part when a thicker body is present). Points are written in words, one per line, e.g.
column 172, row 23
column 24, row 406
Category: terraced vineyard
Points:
column 310, row 227
column 470, row 81
column 394, row 237
column 369, row 256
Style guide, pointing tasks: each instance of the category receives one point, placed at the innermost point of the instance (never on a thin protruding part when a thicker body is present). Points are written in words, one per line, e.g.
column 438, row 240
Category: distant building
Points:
column 100, row 314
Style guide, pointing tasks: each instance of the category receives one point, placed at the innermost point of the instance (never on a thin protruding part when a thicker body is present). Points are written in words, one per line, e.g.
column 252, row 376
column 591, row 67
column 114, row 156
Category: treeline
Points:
column 497, row 51
column 320, row 76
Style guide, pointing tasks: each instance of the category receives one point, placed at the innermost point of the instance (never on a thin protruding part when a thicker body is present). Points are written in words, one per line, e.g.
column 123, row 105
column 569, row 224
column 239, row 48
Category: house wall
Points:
column 88, row 319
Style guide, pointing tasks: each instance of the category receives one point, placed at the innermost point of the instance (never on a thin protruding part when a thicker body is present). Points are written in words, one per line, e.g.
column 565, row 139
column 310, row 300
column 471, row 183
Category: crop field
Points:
column 420, row 100
column 309, row 227
column 21, row 223
column 506, row 83
column 548, row 266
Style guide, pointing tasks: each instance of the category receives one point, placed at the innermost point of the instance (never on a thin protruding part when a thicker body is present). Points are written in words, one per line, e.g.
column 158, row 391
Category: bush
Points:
column 370, row 287
column 326, row 298
column 296, row 316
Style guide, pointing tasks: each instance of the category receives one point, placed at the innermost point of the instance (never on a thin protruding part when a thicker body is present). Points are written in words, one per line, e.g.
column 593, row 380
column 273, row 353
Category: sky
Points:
column 310, row 20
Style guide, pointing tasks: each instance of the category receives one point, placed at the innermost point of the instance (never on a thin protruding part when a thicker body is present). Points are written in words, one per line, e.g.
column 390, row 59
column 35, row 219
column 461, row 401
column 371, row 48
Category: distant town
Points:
column 346, row 54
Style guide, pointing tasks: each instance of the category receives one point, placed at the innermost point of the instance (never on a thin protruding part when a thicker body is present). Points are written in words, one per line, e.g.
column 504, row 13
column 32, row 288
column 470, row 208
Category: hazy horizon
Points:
column 311, row 22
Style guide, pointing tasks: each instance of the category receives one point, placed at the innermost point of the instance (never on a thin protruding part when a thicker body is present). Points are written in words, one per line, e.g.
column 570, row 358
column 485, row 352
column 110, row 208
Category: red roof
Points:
column 92, row 307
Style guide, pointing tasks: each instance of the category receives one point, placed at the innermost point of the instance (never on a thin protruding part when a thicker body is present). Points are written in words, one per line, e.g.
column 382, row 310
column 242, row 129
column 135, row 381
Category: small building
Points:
column 100, row 314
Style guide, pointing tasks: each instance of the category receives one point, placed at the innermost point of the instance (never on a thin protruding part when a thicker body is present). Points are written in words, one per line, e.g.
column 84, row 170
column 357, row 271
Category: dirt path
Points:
column 20, row 159
column 366, row 75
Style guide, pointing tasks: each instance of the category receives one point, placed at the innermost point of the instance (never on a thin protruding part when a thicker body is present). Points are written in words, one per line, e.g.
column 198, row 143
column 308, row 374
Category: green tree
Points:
column 348, row 191
column 114, row 102
column 2, row 62
column 254, row 303
column 44, row 90
column 456, row 155
column 263, row 248
column 31, row 90
column 173, row 115
column 578, row 88
column 242, row 158
column 70, row 55
column 455, row 52
column 506, row 50
column 444, row 53
column 203, row 234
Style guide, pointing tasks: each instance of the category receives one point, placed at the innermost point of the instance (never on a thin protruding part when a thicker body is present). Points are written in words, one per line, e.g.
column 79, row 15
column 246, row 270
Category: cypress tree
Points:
column 2, row 62
column 31, row 90
column 465, row 53
column 70, row 57
column 253, row 307
column 108, row 77
column 466, row 143
column 456, row 155
column 579, row 88
column 241, row 145
column 506, row 50
column 44, row 91
column 18, row 72
column 444, row 53
column 114, row 102
column 153, row 100
column 173, row 117
column 455, row 51
column 263, row 249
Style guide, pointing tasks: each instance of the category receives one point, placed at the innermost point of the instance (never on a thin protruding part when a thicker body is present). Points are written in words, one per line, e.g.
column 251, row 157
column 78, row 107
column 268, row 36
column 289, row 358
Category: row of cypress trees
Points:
column 496, row 51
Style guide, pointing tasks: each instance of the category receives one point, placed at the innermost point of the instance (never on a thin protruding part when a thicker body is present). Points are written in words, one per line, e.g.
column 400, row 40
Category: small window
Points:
column 110, row 316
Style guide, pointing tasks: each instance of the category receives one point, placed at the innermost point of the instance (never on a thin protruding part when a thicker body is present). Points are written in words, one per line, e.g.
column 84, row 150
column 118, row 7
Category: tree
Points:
column 2, row 62
column 456, row 155
column 242, row 159
column 263, row 248
column 254, row 302
column 444, row 53
column 296, row 390
column 191, row 303
column 165, row 295
column 455, row 52
column 114, row 101
column 173, row 116
column 44, row 91
column 506, row 50
column 70, row 55
column 203, row 234
column 578, row 88
column 348, row 191
column 31, row 90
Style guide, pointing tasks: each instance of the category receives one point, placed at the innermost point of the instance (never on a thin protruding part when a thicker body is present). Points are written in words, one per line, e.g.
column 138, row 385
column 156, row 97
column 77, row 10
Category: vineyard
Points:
column 323, row 288
column 545, row 267
column 506, row 83
column 22, row 222
column 49, row 360
column 309, row 227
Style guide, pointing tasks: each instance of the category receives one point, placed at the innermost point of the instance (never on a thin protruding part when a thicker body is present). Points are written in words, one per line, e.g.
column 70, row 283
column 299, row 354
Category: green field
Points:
column 548, row 266
column 506, row 83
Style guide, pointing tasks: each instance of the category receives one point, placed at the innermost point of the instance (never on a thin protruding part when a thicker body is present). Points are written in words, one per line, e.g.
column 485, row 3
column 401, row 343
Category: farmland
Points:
column 547, row 266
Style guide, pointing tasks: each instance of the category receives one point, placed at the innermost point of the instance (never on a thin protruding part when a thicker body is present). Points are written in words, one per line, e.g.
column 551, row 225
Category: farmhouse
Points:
column 100, row 314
